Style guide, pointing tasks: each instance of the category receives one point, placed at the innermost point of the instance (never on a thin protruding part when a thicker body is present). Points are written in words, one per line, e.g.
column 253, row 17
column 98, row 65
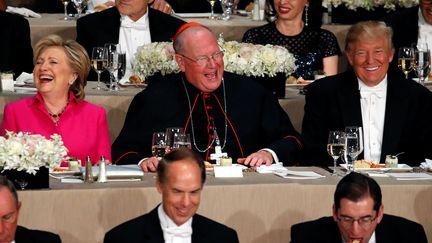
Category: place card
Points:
column 228, row 171
column 7, row 83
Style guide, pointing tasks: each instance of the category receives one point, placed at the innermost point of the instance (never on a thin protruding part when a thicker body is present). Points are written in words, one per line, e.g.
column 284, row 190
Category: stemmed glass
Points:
column 212, row 3
column 158, row 144
column 335, row 147
column 112, row 64
column 353, row 145
column 79, row 6
column 170, row 134
column 65, row 4
column 406, row 60
column 422, row 62
column 227, row 6
column 182, row 140
column 98, row 62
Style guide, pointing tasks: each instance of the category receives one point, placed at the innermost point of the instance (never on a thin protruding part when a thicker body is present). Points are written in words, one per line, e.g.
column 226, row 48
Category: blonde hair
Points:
column 77, row 57
column 368, row 30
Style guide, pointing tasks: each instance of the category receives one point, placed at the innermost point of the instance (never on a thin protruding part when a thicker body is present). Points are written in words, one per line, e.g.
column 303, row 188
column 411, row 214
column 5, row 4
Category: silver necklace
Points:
column 214, row 127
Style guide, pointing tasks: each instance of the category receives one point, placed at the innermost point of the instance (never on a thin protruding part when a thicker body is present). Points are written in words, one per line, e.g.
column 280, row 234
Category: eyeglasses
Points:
column 204, row 60
column 364, row 222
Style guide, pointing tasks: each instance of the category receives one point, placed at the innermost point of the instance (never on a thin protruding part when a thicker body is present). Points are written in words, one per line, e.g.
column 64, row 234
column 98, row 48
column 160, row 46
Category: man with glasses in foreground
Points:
column 358, row 217
column 10, row 232
column 217, row 108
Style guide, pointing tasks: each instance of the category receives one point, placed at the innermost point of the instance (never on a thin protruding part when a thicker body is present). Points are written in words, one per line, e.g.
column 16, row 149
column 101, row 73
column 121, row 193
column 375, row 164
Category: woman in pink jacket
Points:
column 60, row 75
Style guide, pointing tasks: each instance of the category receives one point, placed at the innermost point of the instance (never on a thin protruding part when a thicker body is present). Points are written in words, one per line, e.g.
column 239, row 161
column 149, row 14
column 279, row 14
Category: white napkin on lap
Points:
column 23, row 11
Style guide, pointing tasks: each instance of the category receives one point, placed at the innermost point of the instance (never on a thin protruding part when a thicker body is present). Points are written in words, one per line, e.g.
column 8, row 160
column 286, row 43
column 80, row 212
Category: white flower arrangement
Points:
column 240, row 58
column 371, row 4
column 24, row 151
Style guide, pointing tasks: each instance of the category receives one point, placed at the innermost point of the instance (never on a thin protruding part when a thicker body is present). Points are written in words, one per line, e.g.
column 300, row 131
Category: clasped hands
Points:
column 258, row 158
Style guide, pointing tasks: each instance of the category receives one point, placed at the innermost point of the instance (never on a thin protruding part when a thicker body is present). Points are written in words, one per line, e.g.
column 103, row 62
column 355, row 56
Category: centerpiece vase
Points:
column 38, row 181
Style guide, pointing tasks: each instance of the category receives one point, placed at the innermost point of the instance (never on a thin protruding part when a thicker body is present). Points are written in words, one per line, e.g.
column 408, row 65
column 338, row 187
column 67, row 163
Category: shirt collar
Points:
column 141, row 23
column 167, row 222
column 379, row 90
column 39, row 99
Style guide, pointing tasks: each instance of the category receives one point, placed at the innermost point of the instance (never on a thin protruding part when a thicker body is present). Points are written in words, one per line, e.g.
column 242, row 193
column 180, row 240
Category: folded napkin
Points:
column 24, row 78
column 23, row 11
column 273, row 168
column 427, row 165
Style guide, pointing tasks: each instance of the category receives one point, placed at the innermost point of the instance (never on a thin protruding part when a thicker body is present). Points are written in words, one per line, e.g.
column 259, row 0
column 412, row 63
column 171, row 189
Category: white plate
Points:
column 125, row 82
column 24, row 89
column 400, row 168
column 63, row 172
column 296, row 85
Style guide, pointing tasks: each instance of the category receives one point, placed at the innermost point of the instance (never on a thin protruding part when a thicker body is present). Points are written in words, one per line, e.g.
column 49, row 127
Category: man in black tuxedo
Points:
column 16, row 54
column 358, row 216
column 131, row 23
column 9, row 212
column 180, row 179
column 395, row 113
column 217, row 108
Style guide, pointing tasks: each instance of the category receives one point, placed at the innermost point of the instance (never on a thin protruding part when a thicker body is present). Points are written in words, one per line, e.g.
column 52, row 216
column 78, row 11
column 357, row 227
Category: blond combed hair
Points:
column 368, row 30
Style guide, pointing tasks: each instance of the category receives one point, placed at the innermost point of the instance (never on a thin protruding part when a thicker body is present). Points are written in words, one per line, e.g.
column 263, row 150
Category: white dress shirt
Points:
column 425, row 31
column 373, row 102
column 173, row 233
column 133, row 34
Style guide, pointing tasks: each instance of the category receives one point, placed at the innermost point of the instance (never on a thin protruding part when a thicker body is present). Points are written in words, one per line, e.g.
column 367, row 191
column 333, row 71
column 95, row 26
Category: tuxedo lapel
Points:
column 349, row 100
column 153, row 232
column 113, row 20
column 396, row 108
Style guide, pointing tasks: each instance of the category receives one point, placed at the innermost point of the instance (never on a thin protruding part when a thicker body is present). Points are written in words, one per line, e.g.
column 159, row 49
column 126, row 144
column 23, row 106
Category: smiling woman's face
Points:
column 52, row 72
column 290, row 9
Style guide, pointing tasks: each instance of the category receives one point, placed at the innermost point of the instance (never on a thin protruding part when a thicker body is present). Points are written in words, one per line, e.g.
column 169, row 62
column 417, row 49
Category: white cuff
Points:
column 275, row 158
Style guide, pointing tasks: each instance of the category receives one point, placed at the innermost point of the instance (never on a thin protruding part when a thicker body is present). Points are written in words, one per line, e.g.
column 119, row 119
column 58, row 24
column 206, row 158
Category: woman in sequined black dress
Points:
column 314, row 48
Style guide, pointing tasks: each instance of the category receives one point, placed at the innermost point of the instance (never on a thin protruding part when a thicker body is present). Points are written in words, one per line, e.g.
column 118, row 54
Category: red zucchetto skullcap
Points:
column 183, row 27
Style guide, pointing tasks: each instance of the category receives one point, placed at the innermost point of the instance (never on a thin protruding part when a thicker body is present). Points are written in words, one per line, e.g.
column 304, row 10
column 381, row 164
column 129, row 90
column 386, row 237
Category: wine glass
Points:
column 353, row 145
column 422, row 62
column 182, row 140
column 227, row 6
column 112, row 64
column 98, row 64
column 335, row 147
column 79, row 5
column 22, row 183
column 406, row 60
column 170, row 133
column 65, row 4
column 212, row 3
column 158, row 144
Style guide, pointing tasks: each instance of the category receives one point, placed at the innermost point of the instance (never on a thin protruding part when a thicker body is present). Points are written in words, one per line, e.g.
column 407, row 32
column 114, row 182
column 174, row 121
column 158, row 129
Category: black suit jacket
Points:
column 24, row 235
column 334, row 103
column 16, row 53
column 391, row 229
column 254, row 112
column 146, row 228
column 104, row 27
column 404, row 23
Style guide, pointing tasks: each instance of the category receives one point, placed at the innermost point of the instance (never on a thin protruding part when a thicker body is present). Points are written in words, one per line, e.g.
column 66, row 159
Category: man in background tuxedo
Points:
column 131, row 23
column 9, row 212
column 395, row 113
column 16, row 54
column 180, row 179
column 358, row 216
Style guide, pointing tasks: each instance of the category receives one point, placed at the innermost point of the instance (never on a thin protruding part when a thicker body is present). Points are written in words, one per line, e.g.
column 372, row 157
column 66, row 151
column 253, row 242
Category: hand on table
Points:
column 149, row 164
column 162, row 6
column 256, row 159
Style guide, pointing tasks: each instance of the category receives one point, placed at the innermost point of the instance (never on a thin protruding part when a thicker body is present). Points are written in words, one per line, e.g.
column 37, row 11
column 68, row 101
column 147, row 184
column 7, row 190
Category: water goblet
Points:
column 227, row 6
column 182, row 140
column 98, row 64
column 406, row 60
column 422, row 62
column 122, row 66
column 353, row 145
column 335, row 147
column 22, row 183
column 79, row 5
column 65, row 4
column 170, row 133
column 158, row 144
column 112, row 64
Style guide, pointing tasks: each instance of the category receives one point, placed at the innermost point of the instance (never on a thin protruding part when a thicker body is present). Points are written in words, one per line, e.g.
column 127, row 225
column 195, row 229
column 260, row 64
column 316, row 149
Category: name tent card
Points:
column 228, row 171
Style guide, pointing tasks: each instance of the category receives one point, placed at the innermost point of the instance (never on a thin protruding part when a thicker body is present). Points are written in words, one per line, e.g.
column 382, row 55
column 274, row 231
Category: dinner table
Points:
column 260, row 207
